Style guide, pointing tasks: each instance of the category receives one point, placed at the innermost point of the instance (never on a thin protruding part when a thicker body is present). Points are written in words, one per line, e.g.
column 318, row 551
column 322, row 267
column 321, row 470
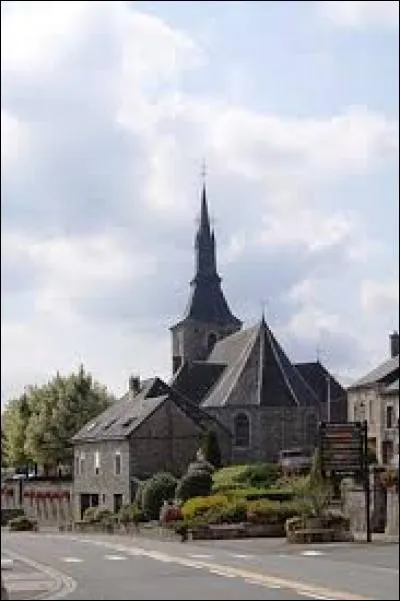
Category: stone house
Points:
column 375, row 398
column 151, row 428
column 237, row 381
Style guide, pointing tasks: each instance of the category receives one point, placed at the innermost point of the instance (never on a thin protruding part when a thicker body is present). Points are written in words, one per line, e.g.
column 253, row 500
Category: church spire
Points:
column 206, row 264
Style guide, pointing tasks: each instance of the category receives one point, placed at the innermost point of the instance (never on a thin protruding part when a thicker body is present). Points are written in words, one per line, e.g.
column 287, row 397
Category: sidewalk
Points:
column 22, row 580
column 377, row 537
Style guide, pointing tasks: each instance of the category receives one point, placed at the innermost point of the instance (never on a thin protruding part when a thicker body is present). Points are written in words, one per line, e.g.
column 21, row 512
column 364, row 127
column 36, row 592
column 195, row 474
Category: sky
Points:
column 108, row 110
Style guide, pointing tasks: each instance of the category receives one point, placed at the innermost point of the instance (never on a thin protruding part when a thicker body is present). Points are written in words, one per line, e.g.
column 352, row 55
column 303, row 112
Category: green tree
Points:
column 15, row 420
column 211, row 449
column 57, row 410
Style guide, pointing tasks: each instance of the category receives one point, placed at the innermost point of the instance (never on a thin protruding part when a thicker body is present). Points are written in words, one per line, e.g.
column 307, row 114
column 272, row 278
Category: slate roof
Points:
column 194, row 379
column 393, row 387
column 207, row 303
column 315, row 374
column 257, row 370
column 125, row 415
column 386, row 373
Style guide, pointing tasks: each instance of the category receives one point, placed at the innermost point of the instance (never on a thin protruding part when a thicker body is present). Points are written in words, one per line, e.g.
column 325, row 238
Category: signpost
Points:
column 343, row 451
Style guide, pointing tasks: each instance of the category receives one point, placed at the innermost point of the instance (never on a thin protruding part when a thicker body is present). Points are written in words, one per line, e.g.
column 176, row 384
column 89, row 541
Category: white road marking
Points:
column 114, row 557
column 312, row 553
column 312, row 596
column 71, row 559
column 241, row 555
column 268, row 581
column 201, row 555
column 7, row 564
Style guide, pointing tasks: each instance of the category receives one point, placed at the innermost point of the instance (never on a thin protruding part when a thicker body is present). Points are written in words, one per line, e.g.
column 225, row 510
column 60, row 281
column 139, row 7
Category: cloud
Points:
column 379, row 296
column 103, row 138
column 359, row 14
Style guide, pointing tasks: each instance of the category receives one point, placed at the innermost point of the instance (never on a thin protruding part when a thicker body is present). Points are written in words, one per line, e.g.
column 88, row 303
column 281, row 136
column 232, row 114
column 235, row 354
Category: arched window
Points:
column 242, row 430
column 212, row 339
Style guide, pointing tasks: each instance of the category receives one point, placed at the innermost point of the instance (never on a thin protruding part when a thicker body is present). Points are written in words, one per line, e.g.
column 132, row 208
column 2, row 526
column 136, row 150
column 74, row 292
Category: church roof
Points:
column 124, row 416
column 257, row 369
column 195, row 378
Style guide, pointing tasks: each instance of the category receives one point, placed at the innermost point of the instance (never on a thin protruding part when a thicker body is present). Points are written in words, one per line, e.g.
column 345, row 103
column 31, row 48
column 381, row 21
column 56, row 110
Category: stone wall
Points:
column 392, row 515
column 106, row 483
column 49, row 502
column 168, row 441
column 271, row 429
column 353, row 503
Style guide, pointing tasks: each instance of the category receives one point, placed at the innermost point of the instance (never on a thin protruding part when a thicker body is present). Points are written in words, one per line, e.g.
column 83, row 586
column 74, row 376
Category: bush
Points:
column 139, row 494
column 199, row 506
column 259, row 474
column 211, row 449
column 194, row 484
column 10, row 514
column 95, row 515
column 130, row 514
column 170, row 513
column 263, row 512
column 22, row 523
column 228, row 476
column 161, row 487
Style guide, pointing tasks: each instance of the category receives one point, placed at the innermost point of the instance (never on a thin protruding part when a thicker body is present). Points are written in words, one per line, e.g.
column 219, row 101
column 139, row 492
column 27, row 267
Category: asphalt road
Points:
column 117, row 567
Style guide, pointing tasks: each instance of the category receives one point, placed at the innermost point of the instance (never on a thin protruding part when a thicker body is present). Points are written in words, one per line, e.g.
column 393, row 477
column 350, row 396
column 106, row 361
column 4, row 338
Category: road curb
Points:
column 60, row 584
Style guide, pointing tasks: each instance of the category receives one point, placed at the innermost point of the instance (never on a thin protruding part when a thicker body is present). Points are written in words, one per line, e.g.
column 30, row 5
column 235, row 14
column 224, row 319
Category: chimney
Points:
column 134, row 384
column 394, row 344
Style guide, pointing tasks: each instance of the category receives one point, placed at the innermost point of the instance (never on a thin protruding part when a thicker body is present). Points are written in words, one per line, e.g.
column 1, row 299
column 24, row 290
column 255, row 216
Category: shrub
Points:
column 195, row 483
column 139, row 493
column 161, row 487
column 199, row 506
column 234, row 513
column 259, row 474
column 263, row 512
column 228, row 476
column 170, row 513
column 130, row 514
column 211, row 449
column 94, row 515
column 10, row 514
column 22, row 523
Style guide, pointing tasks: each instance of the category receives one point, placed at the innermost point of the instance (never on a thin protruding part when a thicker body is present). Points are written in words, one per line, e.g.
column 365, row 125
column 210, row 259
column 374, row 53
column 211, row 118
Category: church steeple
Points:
column 206, row 264
column 207, row 317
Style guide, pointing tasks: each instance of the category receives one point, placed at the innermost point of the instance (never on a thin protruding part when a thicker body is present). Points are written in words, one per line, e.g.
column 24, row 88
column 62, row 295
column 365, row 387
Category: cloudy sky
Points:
column 107, row 110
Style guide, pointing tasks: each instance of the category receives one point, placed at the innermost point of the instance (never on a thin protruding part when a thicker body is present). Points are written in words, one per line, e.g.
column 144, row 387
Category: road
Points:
column 117, row 567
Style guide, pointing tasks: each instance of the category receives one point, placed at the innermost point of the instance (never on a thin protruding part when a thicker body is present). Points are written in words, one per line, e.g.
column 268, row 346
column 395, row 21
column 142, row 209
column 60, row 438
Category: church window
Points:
column 242, row 430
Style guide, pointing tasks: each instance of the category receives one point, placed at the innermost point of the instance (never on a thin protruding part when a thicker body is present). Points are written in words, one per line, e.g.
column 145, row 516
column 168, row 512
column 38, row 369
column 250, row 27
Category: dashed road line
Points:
column 201, row 555
column 71, row 559
column 304, row 589
column 241, row 555
column 115, row 557
column 312, row 553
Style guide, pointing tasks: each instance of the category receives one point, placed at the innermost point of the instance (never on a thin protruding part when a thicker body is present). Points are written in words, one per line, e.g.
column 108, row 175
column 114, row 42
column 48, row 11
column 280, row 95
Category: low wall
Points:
column 392, row 512
column 49, row 502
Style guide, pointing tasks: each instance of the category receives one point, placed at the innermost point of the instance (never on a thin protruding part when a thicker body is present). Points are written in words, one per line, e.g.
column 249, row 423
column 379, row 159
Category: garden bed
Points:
column 232, row 531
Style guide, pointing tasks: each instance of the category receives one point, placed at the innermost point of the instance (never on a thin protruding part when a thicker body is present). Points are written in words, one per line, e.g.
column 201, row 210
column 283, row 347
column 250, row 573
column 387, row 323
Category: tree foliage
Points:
column 211, row 448
column 39, row 425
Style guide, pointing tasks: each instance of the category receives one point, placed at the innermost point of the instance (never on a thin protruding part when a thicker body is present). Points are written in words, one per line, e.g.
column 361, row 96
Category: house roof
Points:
column 393, row 387
column 121, row 419
column 386, row 373
column 255, row 362
column 125, row 415
column 315, row 374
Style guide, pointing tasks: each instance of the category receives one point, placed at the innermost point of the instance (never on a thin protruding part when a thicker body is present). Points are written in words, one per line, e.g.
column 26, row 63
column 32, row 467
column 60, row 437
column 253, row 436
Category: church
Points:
column 236, row 381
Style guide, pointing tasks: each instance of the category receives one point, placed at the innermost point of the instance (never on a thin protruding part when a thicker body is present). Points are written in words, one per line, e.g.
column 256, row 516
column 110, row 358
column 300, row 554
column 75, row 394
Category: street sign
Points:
column 342, row 447
column 343, row 451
